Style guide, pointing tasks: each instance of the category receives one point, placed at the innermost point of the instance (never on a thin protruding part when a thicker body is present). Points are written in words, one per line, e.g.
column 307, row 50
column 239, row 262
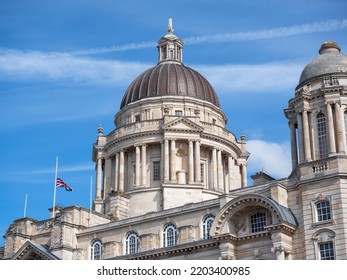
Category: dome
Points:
column 329, row 61
column 170, row 79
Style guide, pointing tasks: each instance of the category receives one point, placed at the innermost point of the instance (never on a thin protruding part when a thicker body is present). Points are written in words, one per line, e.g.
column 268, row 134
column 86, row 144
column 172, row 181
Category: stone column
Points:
column 214, row 168
column 243, row 175
column 116, row 172
column 220, row 170
column 227, row 251
column 173, row 161
column 341, row 139
column 107, row 177
column 293, row 145
column 98, row 176
column 300, row 137
column 279, row 253
column 190, row 162
column 307, row 140
column 121, row 171
column 144, row 165
column 331, row 132
column 137, row 166
column 197, row 162
column 230, row 174
column 166, row 161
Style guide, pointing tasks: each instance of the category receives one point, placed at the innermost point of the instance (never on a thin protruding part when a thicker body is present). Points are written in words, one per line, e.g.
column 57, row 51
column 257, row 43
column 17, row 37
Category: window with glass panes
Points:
column 96, row 250
column 206, row 226
column 156, row 170
column 323, row 210
column 258, row 222
column 170, row 235
column 132, row 243
column 322, row 136
column 326, row 251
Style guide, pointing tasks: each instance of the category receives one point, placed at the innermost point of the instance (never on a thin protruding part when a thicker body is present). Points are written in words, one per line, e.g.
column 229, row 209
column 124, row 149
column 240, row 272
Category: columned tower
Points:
column 317, row 114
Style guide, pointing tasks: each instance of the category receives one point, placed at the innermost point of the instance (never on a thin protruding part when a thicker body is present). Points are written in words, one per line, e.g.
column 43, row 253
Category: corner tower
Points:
column 170, row 146
column 317, row 114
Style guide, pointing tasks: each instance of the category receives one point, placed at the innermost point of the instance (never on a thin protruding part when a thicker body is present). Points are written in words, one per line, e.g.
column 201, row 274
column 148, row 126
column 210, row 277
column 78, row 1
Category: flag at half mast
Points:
column 61, row 184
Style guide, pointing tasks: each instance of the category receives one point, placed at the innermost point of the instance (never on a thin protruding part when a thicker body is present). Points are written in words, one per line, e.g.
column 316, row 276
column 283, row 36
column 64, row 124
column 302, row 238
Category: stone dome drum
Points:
column 329, row 61
column 170, row 79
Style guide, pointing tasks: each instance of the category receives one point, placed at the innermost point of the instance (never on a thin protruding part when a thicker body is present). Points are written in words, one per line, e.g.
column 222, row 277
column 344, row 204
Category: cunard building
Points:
column 171, row 180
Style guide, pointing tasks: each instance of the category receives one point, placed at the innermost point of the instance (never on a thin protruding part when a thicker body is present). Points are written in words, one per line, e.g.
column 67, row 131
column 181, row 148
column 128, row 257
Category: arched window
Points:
column 169, row 235
column 258, row 222
column 207, row 222
column 132, row 243
column 322, row 136
column 323, row 211
column 96, row 250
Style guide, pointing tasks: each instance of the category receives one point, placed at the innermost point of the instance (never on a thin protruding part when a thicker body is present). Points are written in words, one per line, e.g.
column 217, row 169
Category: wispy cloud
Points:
column 36, row 65
column 126, row 47
column 62, row 169
column 241, row 78
column 40, row 66
column 315, row 27
column 324, row 26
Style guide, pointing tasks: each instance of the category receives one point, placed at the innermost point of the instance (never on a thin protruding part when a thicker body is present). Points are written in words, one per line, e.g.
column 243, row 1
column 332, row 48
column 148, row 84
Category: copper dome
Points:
column 170, row 79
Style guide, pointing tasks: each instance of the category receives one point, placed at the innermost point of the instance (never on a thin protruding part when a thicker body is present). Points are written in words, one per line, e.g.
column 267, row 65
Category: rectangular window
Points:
column 178, row 113
column 202, row 173
column 137, row 118
column 258, row 222
column 134, row 175
column 156, row 170
column 326, row 251
column 323, row 211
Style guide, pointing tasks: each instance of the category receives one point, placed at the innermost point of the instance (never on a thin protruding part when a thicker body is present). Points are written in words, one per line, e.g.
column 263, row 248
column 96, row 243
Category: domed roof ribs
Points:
column 185, row 83
column 162, row 81
column 170, row 76
column 143, row 87
column 176, row 81
column 152, row 86
column 136, row 93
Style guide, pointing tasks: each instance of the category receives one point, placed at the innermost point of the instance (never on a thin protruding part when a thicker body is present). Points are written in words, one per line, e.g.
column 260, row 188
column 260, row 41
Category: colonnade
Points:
column 221, row 168
column 303, row 148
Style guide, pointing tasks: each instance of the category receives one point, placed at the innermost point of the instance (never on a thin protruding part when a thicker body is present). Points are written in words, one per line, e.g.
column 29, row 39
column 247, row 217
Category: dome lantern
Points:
column 170, row 47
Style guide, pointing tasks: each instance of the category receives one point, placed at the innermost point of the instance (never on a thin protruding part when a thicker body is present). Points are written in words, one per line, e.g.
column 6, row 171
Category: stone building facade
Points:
column 171, row 180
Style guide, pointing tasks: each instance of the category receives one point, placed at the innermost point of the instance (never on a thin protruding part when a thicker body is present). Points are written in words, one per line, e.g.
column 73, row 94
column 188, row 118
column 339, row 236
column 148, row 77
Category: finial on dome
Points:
column 169, row 28
column 329, row 46
column 100, row 130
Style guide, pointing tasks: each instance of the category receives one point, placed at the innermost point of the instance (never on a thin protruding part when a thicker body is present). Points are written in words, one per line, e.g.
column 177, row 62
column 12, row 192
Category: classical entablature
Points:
column 32, row 251
column 234, row 217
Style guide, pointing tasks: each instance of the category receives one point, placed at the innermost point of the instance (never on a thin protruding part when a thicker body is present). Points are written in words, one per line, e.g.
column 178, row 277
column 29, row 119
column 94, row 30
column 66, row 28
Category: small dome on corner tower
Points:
column 329, row 46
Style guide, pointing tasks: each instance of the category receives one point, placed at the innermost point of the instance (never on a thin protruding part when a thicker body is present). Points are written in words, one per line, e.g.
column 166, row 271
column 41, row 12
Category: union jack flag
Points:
column 61, row 184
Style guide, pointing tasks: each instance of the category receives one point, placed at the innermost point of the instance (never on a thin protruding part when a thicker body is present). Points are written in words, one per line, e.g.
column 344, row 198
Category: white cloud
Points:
column 62, row 169
column 324, row 26
column 35, row 65
column 315, row 27
column 41, row 66
column 272, row 158
column 245, row 78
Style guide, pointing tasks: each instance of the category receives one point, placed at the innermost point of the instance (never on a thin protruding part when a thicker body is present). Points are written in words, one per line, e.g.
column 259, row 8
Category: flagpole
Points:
column 55, row 185
column 90, row 195
column 25, row 205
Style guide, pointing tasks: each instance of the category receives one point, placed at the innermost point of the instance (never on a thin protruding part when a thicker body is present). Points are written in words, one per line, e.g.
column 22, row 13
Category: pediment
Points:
column 32, row 251
column 183, row 124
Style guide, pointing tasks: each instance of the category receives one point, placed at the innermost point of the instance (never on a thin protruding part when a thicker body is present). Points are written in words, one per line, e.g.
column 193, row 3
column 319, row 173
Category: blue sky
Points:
column 65, row 65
